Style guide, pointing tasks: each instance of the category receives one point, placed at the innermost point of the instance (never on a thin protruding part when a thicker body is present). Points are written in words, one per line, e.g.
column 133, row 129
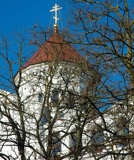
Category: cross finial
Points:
column 56, row 8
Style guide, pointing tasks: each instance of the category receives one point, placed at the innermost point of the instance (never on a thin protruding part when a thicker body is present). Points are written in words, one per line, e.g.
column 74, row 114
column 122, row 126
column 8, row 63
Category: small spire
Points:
column 56, row 8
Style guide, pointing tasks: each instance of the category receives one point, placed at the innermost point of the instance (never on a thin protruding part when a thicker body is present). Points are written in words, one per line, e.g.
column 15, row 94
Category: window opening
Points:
column 40, row 97
column 98, row 137
column 71, row 100
column 44, row 117
column 55, row 96
column 123, row 131
column 56, row 148
column 97, row 140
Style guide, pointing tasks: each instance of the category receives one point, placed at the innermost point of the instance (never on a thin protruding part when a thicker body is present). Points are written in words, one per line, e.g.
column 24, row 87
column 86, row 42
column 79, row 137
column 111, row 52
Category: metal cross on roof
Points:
column 56, row 8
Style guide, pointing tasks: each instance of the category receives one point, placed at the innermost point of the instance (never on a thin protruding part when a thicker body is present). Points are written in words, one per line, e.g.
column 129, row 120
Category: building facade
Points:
column 54, row 113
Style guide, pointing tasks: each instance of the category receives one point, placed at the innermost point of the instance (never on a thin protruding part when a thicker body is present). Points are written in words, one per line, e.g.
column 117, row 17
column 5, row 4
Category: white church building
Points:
column 48, row 114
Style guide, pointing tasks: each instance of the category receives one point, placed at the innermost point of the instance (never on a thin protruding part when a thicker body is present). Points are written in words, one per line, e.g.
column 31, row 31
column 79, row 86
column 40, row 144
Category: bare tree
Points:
column 104, row 33
column 59, row 104
column 43, row 109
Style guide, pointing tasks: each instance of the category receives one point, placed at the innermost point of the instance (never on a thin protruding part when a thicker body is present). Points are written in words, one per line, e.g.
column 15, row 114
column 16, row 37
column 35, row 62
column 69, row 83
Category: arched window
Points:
column 56, row 144
column 97, row 140
column 122, row 130
column 71, row 100
column 98, row 137
column 40, row 97
column 44, row 117
column 122, row 126
column 55, row 95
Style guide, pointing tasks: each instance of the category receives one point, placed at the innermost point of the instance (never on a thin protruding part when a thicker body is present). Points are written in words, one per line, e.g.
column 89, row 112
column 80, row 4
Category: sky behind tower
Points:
column 22, row 15
column 16, row 14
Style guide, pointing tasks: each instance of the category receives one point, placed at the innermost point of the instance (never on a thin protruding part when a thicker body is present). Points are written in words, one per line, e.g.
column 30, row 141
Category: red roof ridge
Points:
column 55, row 48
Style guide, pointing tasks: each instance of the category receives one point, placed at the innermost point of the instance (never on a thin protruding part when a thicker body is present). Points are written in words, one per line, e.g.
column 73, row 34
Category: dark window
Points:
column 40, row 97
column 122, row 131
column 71, row 100
column 123, row 136
column 43, row 118
column 56, row 148
column 98, row 137
column 55, row 96
column 97, row 141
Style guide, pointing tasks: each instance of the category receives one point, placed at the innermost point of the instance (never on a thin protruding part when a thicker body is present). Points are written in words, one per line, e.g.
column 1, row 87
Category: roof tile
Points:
column 55, row 49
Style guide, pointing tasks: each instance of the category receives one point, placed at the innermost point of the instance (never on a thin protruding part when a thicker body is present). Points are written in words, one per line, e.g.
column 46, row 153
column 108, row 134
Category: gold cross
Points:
column 56, row 8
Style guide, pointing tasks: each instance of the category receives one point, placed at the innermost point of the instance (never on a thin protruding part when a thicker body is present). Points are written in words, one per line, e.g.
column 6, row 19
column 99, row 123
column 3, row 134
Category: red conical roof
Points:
column 55, row 49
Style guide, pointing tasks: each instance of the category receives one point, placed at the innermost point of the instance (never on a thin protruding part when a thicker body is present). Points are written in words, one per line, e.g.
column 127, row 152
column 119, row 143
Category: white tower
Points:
column 50, row 85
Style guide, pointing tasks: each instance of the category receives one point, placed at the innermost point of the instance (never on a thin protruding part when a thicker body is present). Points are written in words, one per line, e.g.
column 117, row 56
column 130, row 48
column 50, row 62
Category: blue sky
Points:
column 17, row 14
